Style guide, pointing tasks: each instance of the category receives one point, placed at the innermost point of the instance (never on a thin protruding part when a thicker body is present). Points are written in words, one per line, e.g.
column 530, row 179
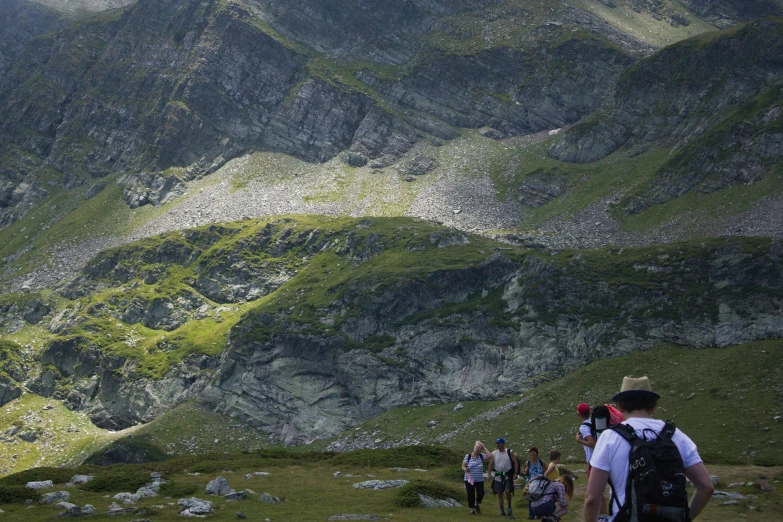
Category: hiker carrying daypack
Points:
column 536, row 487
column 655, row 491
column 604, row 417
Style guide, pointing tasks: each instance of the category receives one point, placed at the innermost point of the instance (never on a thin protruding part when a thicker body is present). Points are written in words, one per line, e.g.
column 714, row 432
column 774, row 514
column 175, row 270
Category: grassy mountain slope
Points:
column 341, row 319
column 701, row 391
column 545, row 417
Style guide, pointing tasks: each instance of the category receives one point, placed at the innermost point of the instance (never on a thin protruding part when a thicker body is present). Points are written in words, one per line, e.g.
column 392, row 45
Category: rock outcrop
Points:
column 375, row 314
column 725, row 13
column 179, row 87
column 715, row 97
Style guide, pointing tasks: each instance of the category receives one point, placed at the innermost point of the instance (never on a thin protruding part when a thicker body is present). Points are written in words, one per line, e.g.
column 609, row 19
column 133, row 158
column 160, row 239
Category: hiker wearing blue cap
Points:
column 506, row 470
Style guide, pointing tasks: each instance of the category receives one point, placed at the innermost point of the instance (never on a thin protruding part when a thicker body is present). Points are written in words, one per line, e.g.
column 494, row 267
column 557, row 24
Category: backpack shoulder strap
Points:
column 625, row 431
column 668, row 431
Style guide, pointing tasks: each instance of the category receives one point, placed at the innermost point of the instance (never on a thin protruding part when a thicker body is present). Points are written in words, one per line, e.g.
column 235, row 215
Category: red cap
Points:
column 583, row 409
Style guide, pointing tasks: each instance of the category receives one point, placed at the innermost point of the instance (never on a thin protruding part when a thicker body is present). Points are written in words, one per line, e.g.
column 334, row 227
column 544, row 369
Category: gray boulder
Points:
column 219, row 487
column 379, row 484
column 72, row 510
column 67, row 506
column 430, row 502
column 236, row 495
column 54, row 497
column 194, row 507
column 149, row 490
column 78, row 480
column 492, row 133
column 418, row 166
column 355, row 160
column 42, row 484
column 126, row 497
column 268, row 499
column 354, row 517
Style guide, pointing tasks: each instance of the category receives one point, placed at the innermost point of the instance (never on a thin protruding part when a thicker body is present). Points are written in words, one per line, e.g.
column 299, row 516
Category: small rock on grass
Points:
column 237, row 495
column 430, row 502
column 78, row 480
column 354, row 517
column 56, row 496
column 268, row 499
column 41, row 484
column 379, row 484
column 194, row 507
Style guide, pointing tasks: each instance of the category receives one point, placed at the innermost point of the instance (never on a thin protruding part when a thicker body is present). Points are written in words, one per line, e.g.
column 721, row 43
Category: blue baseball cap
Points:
column 501, row 440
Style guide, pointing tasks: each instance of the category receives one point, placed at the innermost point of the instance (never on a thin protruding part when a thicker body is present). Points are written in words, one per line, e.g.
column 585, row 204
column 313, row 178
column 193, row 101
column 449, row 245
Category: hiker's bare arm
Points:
column 596, row 485
column 589, row 441
column 464, row 467
column 700, row 477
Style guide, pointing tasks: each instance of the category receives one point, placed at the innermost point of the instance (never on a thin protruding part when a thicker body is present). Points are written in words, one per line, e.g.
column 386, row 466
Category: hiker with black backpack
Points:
column 473, row 466
column 506, row 469
column 646, row 462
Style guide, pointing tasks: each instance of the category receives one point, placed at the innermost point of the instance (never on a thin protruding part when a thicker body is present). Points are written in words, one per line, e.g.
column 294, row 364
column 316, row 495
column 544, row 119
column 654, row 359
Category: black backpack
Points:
column 655, row 491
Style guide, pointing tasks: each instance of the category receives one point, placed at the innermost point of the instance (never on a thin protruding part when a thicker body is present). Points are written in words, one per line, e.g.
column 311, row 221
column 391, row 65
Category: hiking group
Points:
column 644, row 461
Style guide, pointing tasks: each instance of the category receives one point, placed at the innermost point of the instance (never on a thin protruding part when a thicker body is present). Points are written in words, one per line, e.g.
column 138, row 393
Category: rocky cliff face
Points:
column 80, row 7
column 169, row 91
column 22, row 21
column 725, row 13
column 700, row 92
column 376, row 31
column 328, row 324
column 327, row 383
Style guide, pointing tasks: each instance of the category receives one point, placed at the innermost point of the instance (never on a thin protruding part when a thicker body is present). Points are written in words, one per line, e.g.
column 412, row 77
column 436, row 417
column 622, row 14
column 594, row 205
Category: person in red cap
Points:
column 585, row 437
column 585, row 434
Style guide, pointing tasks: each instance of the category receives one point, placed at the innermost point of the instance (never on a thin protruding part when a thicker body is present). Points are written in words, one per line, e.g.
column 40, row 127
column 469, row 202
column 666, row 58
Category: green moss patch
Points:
column 408, row 495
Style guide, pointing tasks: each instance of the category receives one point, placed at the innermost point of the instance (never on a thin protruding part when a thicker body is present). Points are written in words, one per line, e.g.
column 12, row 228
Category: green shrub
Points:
column 408, row 457
column 178, row 489
column 117, row 479
column 211, row 466
column 453, row 473
column 10, row 494
column 56, row 475
column 768, row 461
column 408, row 495
column 132, row 450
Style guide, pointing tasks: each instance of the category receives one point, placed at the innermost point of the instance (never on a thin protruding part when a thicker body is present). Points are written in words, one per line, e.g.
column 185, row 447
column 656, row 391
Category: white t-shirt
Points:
column 585, row 430
column 502, row 461
column 612, row 453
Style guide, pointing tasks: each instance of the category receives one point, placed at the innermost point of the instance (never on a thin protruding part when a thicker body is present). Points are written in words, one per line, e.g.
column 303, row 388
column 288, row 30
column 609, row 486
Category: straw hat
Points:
column 636, row 387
